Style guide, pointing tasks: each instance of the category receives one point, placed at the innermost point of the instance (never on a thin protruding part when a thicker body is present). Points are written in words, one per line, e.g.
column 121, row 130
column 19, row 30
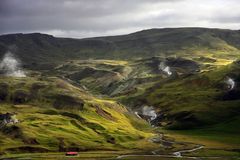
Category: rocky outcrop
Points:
column 8, row 118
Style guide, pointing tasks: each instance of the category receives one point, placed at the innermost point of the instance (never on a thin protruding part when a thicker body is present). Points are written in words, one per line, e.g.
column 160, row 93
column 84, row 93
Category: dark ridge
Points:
column 36, row 49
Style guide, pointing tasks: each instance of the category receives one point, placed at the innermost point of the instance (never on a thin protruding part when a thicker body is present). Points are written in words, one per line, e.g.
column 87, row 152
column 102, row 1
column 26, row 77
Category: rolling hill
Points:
column 54, row 116
column 92, row 93
column 40, row 49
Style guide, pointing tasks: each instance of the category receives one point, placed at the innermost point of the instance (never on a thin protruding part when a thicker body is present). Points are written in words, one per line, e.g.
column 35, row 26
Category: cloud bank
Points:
column 81, row 18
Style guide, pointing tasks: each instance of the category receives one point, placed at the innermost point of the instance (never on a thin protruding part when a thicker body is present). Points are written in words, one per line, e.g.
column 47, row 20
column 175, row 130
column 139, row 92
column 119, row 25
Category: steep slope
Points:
column 54, row 115
column 195, row 94
column 191, row 101
column 115, row 77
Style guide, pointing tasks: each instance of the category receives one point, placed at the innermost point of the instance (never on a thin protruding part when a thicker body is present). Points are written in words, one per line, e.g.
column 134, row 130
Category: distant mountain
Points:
column 41, row 48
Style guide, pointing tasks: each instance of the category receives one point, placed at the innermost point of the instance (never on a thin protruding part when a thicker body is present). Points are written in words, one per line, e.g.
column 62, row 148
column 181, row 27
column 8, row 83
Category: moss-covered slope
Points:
column 191, row 101
column 57, row 116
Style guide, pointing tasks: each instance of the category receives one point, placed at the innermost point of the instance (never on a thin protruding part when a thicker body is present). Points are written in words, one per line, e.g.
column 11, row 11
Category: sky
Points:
column 90, row 18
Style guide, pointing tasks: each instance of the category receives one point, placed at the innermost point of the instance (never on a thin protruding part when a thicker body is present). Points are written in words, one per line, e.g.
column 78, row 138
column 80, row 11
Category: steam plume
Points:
column 10, row 66
column 166, row 69
column 230, row 82
column 149, row 111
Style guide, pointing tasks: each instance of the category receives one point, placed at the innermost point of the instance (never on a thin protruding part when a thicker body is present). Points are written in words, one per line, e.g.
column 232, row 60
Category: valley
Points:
column 160, row 93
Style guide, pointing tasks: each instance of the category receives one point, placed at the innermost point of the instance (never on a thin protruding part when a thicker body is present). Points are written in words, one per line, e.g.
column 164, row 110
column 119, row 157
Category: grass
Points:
column 198, row 95
column 224, row 153
column 61, row 156
column 42, row 126
column 223, row 135
column 85, row 121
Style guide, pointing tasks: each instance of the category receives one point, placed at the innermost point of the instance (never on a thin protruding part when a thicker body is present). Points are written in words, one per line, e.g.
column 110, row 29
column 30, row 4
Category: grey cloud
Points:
column 224, row 19
column 81, row 18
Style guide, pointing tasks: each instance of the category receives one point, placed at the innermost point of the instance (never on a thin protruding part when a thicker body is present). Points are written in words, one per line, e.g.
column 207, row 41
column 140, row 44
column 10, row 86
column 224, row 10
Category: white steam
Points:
column 230, row 83
column 166, row 69
column 10, row 66
column 149, row 111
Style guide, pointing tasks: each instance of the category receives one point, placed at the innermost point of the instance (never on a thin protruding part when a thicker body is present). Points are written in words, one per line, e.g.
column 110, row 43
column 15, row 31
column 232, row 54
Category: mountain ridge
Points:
column 37, row 47
column 99, row 93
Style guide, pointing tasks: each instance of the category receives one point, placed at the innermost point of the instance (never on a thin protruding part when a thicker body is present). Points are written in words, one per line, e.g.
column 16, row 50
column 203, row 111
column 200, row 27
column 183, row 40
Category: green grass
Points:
column 224, row 135
column 61, row 156
column 51, row 109
column 216, row 153
column 198, row 95
column 42, row 125
column 40, row 51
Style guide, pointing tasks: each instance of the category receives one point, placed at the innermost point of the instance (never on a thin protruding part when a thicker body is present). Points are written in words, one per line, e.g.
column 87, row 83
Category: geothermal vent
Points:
column 11, row 66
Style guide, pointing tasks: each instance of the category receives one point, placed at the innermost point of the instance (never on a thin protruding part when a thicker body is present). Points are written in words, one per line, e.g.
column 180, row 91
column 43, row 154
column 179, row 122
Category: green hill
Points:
column 56, row 116
column 37, row 49
column 191, row 101
column 91, row 94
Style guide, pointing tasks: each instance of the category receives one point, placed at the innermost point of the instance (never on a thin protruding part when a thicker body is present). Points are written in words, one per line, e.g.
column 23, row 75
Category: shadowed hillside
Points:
column 103, row 93
column 36, row 49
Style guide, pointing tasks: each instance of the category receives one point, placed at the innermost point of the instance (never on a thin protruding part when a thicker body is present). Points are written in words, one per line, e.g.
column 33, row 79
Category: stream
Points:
column 179, row 153
column 175, row 154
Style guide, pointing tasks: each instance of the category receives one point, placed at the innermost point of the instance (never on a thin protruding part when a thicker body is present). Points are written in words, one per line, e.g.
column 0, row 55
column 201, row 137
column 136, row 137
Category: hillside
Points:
column 116, row 93
column 191, row 101
column 55, row 116
column 195, row 94
column 44, row 51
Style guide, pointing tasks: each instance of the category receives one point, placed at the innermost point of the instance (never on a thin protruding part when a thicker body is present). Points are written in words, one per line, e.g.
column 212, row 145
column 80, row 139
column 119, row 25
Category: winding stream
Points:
column 176, row 154
column 179, row 153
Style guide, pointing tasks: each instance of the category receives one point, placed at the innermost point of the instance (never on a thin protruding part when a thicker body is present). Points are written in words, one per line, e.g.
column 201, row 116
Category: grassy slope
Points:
column 215, row 136
column 221, row 140
column 216, row 121
column 198, row 94
column 42, row 125
column 41, row 49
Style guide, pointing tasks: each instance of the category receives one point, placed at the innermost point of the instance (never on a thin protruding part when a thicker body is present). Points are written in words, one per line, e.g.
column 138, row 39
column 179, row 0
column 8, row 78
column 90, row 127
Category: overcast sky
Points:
column 87, row 18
